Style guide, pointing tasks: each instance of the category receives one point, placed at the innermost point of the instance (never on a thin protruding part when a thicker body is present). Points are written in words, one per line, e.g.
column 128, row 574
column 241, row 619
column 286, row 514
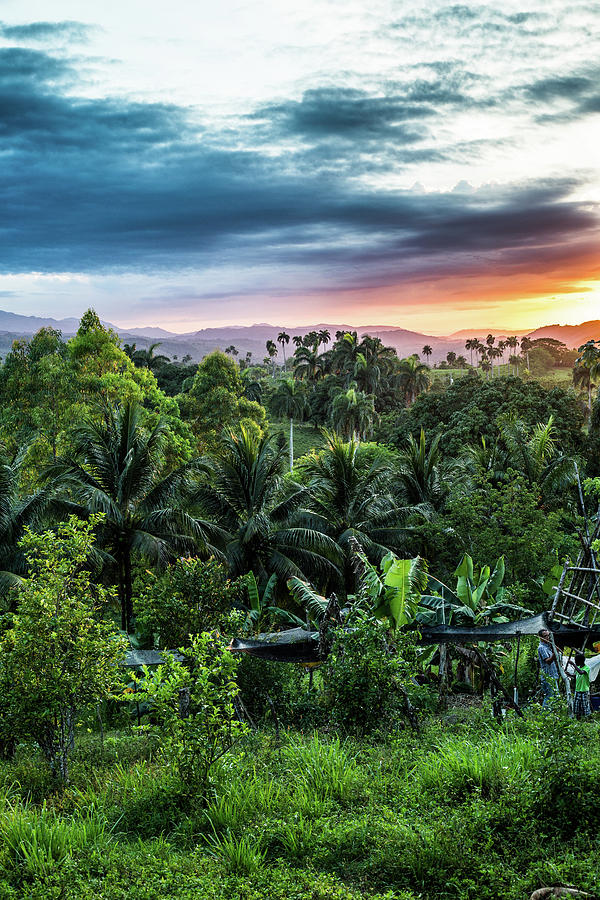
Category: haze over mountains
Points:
column 252, row 338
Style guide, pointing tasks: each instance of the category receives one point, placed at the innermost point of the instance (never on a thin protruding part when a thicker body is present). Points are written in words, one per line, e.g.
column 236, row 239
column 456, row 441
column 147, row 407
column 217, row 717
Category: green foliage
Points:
column 56, row 656
column 362, row 677
column 194, row 704
column 471, row 408
column 215, row 401
column 189, row 597
column 494, row 519
column 459, row 767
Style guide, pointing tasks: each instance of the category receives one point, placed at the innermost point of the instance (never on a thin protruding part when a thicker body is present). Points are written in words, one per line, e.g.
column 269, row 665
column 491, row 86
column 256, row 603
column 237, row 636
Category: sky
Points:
column 432, row 165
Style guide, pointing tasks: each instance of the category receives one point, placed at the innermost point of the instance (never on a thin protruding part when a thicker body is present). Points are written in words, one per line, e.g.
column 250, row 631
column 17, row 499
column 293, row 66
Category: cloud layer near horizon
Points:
column 307, row 195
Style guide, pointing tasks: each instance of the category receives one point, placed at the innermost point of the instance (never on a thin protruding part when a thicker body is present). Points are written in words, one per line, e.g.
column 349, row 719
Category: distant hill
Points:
column 252, row 338
column 571, row 335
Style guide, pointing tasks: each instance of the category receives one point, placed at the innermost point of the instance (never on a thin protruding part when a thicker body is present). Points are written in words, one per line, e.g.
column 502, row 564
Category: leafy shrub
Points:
column 363, row 677
column 283, row 684
column 194, row 703
column 190, row 597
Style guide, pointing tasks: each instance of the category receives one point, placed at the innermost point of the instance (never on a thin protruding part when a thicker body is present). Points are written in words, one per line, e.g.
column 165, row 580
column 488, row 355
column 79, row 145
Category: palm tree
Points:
column 537, row 456
column 232, row 350
column 115, row 467
column 512, row 342
column 246, row 496
column 19, row 510
column 495, row 353
column 587, row 367
column 297, row 340
column 272, row 351
column 345, row 352
column 283, row 338
column 470, row 345
column 451, row 358
column 423, row 473
column 308, row 365
column 413, row 378
column 324, row 337
column 350, row 494
column 526, row 345
column 289, row 401
column 146, row 359
column 427, row 351
column 353, row 413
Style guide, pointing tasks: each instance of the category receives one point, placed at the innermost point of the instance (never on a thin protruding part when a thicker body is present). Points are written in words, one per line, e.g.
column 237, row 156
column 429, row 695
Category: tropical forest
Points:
column 259, row 631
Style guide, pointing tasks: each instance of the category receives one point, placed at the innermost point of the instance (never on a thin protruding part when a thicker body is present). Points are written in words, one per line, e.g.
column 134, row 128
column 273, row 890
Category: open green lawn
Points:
column 464, row 809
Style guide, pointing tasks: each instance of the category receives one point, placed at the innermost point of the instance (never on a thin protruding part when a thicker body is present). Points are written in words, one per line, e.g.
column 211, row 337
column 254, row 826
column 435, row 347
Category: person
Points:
column 581, row 705
column 548, row 669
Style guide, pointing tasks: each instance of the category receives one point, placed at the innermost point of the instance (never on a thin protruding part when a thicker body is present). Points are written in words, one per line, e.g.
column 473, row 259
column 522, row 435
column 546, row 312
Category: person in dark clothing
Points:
column 548, row 669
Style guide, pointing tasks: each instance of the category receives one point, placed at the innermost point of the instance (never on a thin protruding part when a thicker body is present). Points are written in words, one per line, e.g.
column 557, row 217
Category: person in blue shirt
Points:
column 548, row 669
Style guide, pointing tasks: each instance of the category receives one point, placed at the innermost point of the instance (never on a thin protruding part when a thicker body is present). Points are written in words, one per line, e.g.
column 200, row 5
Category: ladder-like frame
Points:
column 577, row 598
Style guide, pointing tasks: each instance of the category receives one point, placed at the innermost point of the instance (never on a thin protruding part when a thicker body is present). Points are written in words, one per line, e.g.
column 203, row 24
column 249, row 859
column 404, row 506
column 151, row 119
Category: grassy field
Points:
column 464, row 809
column 306, row 437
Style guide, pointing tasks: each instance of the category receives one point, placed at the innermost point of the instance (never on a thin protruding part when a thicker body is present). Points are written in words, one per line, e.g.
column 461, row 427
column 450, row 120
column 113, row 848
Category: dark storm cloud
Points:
column 110, row 185
column 42, row 32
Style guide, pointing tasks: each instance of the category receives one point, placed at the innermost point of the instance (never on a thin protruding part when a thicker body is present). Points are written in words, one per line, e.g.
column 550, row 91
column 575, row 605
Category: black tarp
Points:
column 300, row 645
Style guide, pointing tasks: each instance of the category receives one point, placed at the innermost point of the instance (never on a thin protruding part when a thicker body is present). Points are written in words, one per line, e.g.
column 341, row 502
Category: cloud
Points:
column 113, row 185
column 45, row 32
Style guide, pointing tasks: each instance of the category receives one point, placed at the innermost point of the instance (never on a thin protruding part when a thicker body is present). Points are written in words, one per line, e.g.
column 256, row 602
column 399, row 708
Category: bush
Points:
column 363, row 678
column 194, row 703
column 190, row 597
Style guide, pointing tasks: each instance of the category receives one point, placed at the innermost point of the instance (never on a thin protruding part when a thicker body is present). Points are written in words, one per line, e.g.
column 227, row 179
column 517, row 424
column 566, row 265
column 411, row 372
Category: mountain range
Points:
column 252, row 338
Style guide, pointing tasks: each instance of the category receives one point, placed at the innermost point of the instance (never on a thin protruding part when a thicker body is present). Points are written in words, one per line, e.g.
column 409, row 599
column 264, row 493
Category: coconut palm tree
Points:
column 423, row 473
column 19, row 509
column 245, row 495
column 587, row 368
column 351, row 494
column 353, row 413
column 115, row 467
column 537, row 456
column 427, row 351
column 289, row 401
column 413, row 378
column 147, row 359
column 308, row 365
column 283, row 338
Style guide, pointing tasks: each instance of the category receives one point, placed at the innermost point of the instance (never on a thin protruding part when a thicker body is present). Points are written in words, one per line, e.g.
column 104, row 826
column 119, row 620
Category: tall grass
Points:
column 37, row 841
column 325, row 767
column 459, row 767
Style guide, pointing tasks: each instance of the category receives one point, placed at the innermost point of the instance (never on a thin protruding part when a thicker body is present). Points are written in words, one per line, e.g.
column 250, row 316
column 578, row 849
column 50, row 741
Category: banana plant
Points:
column 479, row 596
column 261, row 609
column 393, row 593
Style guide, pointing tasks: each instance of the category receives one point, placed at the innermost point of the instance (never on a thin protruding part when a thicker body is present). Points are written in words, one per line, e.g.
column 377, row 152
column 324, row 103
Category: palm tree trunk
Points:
column 128, row 590
column 291, row 443
column 121, row 588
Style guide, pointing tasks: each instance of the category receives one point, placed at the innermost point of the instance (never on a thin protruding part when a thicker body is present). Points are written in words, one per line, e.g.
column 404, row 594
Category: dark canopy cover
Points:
column 300, row 645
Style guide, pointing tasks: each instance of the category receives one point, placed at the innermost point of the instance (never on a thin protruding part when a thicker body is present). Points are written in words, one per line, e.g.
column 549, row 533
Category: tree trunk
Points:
column 291, row 443
column 128, row 590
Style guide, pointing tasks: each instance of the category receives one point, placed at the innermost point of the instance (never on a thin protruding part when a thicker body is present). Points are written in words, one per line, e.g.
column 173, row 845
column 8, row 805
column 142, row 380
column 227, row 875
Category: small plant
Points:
column 194, row 702
column 364, row 677
column 240, row 855
column 326, row 768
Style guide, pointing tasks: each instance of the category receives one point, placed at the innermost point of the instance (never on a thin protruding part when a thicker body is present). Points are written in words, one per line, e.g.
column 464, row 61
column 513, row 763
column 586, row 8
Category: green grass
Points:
column 306, row 437
column 466, row 810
